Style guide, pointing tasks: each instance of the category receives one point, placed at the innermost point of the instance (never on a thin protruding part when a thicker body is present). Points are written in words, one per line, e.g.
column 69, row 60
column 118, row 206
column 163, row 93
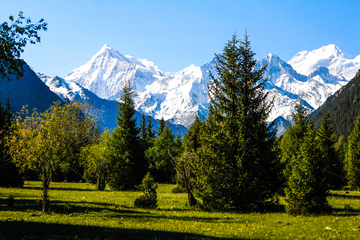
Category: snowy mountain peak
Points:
column 109, row 52
column 330, row 56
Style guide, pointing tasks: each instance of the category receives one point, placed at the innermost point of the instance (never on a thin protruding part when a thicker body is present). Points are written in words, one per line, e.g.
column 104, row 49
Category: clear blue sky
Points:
column 176, row 34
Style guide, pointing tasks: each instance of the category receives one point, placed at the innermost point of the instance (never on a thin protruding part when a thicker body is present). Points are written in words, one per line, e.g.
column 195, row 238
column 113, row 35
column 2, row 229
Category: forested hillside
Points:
column 344, row 107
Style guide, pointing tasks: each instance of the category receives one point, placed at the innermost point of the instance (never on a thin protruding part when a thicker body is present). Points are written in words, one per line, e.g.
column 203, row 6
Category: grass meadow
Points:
column 78, row 211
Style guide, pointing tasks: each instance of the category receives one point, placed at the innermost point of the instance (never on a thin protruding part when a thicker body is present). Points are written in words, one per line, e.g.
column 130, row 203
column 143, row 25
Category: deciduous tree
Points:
column 44, row 142
column 13, row 38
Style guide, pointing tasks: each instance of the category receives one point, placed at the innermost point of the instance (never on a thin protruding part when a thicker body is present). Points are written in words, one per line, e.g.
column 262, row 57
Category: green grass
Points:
column 111, row 215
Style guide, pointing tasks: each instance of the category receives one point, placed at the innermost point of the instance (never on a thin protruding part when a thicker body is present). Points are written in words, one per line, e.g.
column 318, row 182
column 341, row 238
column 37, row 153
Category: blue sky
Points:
column 176, row 34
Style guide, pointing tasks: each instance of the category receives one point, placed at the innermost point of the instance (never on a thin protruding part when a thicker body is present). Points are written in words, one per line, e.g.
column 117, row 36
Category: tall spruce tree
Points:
column 307, row 184
column 127, row 160
column 237, row 166
column 334, row 164
column 353, row 173
column 293, row 138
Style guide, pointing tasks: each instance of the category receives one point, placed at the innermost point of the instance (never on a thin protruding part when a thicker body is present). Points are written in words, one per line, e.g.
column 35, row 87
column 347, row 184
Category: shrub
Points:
column 149, row 199
column 145, row 202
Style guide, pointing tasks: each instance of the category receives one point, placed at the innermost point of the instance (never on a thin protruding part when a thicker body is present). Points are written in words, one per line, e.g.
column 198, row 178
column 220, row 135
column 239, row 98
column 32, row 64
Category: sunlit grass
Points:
column 112, row 215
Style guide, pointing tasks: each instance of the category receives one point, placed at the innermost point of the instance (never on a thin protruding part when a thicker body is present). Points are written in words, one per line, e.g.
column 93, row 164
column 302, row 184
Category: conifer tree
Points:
column 127, row 161
column 334, row 164
column 162, row 125
column 150, row 133
column 354, row 156
column 307, row 185
column 237, row 166
column 293, row 138
column 161, row 165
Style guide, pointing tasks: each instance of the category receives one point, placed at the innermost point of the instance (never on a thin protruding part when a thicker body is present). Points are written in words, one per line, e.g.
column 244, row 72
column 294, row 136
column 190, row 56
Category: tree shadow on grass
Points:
column 32, row 230
column 62, row 189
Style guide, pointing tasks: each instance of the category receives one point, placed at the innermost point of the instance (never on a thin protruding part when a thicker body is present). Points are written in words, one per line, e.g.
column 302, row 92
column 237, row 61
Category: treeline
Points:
column 231, row 160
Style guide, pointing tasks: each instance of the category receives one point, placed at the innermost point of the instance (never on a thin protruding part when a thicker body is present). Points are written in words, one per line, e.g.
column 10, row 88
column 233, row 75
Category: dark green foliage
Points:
column 354, row 156
column 149, row 199
column 237, row 165
column 146, row 132
column 9, row 174
column 293, row 138
column 127, row 155
column 307, row 186
column 13, row 38
column 192, row 136
column 178, row 189
column 331, row 157
column 162, row 125
column 161, row 165
column 343, row 106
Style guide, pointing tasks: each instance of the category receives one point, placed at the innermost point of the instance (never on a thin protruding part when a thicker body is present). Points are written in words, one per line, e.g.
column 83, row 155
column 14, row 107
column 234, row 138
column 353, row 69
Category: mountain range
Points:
column 310, row 77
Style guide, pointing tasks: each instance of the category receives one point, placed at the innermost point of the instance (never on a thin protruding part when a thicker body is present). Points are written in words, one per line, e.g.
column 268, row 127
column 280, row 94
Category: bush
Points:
column 149, row 199
column 145, row 202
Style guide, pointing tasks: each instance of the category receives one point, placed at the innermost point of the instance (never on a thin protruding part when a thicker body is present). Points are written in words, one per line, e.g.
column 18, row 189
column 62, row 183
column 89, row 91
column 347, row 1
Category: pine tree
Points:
column 237, row 166
column 127, row 161
column 307, row 185
column 354, row 156
column 335, row 167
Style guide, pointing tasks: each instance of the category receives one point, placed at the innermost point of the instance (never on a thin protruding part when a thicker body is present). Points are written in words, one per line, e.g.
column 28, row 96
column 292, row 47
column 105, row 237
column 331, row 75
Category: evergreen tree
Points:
column 9, row 174
column 150, row 133
column 307, row 185
column 335, row 167
column 354, row 156
column 127, row 161
column 293, row 138
column 161, row 165
column 237, row 166
column 143, row 131
column 192, row 136
column 162, row 125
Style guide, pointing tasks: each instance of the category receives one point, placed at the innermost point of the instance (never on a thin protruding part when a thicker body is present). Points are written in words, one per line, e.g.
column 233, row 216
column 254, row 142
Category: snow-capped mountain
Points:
column 338, row 62
column 103, row 109
column 310, row 77
column 108, row 69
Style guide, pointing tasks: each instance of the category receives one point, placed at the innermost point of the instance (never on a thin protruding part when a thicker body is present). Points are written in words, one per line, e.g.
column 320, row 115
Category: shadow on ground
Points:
column 32, row 230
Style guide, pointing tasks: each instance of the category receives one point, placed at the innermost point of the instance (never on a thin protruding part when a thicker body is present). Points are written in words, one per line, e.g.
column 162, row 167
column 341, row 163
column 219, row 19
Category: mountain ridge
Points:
column 179, row 96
